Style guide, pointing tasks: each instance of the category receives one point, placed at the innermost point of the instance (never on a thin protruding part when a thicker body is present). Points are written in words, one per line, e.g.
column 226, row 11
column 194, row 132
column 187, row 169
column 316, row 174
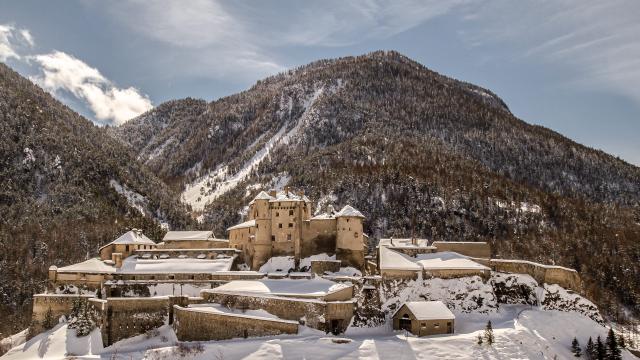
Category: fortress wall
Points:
column 126, row 317
column 399, row 274
column 315, row 312
column 321, row 266
column 456, row 273
column 351, row 257
column 195, row 244
column 318, row 236
column 550, row 274
column 193, row 325
column 60, row 304
column 473, row 249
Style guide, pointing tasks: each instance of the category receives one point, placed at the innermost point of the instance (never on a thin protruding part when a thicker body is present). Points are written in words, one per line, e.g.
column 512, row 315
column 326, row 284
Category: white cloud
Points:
column 110, row 104
column 11, row 39
column 595, row 40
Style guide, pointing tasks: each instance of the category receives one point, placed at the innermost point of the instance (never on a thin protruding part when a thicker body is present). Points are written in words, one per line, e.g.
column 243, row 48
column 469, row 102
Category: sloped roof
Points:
column 448, row 260
column 188, row 235
column 246, row 224
column 393, row 260
column 428, row 310
column 131, row 237
column 348, row 210
column 94, row 265
column 262, row 195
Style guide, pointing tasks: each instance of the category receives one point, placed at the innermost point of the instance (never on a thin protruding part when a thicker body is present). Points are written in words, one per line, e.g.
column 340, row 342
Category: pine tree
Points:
column 601, row 353
column 488, row 334
column 48, row 322
column 575, row 348
column 590, row 351
column 621, row 342
column 613, row 351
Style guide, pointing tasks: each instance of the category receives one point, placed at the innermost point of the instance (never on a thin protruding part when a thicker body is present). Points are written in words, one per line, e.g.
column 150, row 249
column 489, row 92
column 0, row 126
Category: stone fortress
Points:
column 208, row 288
column 280, row 223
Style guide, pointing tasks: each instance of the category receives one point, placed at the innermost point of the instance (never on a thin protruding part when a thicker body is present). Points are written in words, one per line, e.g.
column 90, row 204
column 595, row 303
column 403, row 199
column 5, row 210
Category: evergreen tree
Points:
column 601, row 352
column 613, row 351
column 621, row 342
column 479, row 339
column 488, row 334
column 590, row 351
column 575, row 348
column 48, row 321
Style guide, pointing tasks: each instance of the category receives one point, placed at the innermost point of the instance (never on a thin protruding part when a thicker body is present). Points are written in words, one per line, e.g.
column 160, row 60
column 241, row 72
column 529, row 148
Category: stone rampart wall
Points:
column 194, row 325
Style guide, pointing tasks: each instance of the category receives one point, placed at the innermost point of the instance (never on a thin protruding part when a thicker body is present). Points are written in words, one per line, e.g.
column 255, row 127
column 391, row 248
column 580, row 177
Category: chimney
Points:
column 286, row 190
column 391, row 240
column 117, row 259
column 272, row 193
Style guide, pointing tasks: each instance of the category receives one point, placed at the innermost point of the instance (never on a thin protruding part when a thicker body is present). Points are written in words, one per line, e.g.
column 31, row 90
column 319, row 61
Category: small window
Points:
column 436, row 326
column 289, row 237
column 355, row 234
column 277, row 213
column 347, row 219
column 424, row 325
column 126, row 248
column 273, row 238
column 280, row 226
column 290, row 225
column 290, row 212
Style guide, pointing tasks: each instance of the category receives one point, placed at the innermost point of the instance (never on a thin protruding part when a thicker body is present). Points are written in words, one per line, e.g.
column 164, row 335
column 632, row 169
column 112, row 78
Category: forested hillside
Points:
column 66, row 189
column 399, row 141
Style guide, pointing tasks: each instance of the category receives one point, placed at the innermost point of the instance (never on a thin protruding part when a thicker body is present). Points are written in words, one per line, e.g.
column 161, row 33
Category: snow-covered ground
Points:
column 521, row 333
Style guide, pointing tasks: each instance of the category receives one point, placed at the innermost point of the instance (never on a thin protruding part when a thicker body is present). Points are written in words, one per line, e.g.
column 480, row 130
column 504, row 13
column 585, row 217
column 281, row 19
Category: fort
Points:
column 280, row 269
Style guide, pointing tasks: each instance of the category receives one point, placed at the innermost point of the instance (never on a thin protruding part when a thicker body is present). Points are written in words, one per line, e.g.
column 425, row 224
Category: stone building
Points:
column 126, row 245
column 424, row 318
column 280, row 224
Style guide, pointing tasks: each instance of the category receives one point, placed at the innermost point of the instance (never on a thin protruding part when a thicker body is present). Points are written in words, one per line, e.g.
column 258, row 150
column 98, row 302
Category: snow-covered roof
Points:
column 348, row 210
column 132, row 237
column 133, row 265
column 246, row 224
column 448, row 260
column 429, row 310
column 188, row 235
column 324, row 216
column 284, row 287
column 393, row 260
column 283, row 195
column 405, row 243
column 94, row 266
column 262, row 195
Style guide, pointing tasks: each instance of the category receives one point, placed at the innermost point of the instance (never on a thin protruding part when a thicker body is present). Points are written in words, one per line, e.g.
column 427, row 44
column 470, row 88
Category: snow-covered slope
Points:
column 520, row 333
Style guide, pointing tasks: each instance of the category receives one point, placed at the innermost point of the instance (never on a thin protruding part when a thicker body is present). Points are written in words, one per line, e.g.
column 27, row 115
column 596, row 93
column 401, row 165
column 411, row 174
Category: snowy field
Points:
column 521, row 333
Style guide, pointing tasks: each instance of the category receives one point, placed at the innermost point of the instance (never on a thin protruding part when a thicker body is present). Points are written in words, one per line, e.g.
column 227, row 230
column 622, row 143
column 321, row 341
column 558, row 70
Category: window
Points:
column 355, row 234
column 273, row 238
column 423, row 325
column 436, row 326
column 289, row 237
column 290, row 225
column 347, row 219
column 290, row 212
column 280, row 225
column 277, row 213
column 126, row 248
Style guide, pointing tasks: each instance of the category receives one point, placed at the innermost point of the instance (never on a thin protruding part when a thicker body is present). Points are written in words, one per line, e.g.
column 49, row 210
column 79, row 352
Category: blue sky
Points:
column 572, row 66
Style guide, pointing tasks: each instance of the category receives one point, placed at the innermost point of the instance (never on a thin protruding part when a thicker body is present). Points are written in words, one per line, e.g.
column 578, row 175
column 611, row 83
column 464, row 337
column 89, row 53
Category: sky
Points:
column 570, row 65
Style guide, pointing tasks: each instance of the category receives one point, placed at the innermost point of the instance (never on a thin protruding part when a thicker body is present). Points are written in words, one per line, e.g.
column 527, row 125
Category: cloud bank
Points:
column 110, row 104
column 11, row 39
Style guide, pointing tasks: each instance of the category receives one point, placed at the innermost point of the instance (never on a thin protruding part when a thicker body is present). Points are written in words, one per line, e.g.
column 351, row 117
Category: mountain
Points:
column 414, row 151
column 67, row 188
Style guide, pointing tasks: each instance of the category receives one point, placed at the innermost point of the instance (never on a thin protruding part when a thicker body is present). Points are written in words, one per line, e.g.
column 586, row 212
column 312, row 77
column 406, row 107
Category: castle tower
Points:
column 261, row 243
column 350, row 244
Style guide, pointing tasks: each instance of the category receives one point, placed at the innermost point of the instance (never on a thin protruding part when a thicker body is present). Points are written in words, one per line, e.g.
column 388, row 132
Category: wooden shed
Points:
column 424, row 318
